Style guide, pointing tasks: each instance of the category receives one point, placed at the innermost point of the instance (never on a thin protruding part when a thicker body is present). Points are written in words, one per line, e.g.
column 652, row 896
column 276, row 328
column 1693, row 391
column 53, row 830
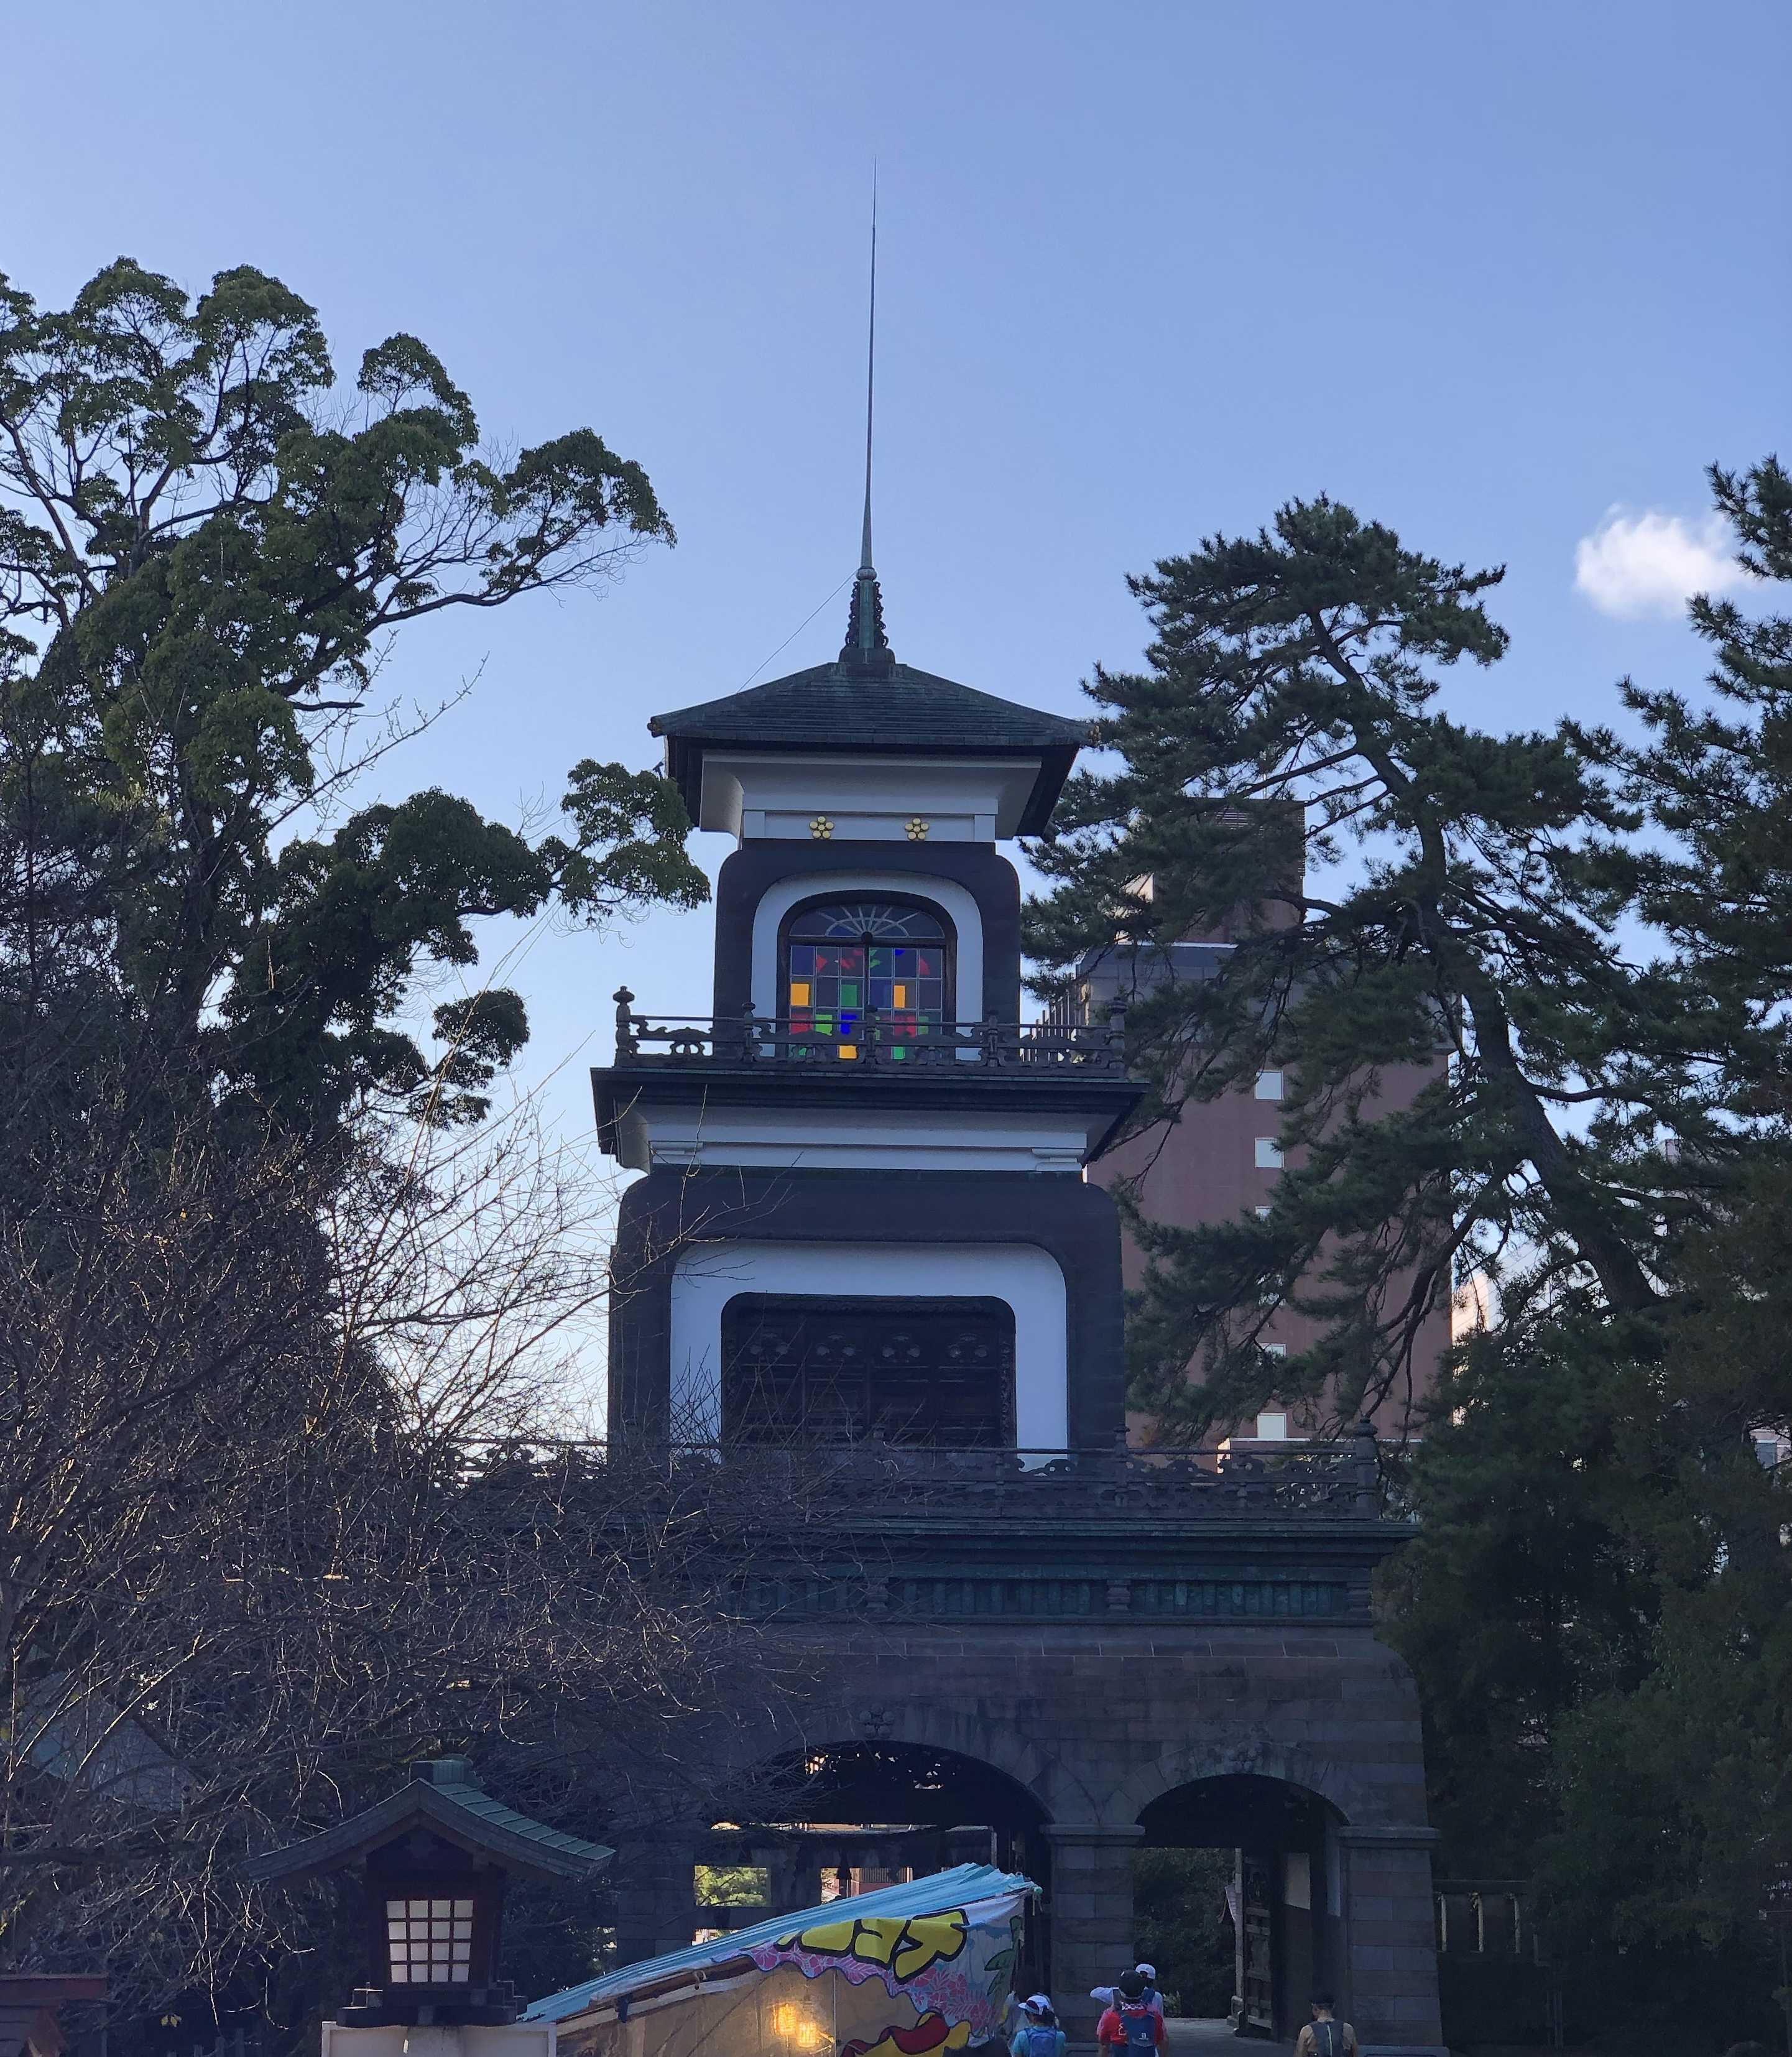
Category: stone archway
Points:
column 871, row 1789
column 1096, row 1721
column 1282, row 1886
column 1322, row 1898
column 850, row 1817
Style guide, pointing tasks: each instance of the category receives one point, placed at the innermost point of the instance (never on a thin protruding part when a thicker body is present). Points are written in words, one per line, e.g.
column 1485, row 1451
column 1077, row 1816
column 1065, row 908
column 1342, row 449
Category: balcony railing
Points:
column 869, row 1479
column 1050, row 1485
column 867, row 1041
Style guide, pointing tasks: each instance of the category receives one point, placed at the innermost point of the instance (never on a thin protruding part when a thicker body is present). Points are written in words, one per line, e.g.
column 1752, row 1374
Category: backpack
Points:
column 1328, row 2039
column 1140, row 2024
column 1042, row 2042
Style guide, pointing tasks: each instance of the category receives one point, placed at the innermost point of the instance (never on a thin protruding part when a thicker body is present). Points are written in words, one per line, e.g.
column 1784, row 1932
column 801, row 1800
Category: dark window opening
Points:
column 938, row 1372
column 844, row 958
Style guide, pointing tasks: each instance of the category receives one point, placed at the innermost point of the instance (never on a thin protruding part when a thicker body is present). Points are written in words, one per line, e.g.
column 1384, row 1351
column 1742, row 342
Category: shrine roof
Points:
column 840, row 706
column 443, row 1796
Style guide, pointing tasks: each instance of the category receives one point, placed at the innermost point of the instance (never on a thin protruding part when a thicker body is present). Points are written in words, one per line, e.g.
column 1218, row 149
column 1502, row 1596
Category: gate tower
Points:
column 863, row 1223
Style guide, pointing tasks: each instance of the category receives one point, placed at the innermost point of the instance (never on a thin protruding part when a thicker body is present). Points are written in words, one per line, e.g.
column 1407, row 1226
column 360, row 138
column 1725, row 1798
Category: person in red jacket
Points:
column 1131, row 2023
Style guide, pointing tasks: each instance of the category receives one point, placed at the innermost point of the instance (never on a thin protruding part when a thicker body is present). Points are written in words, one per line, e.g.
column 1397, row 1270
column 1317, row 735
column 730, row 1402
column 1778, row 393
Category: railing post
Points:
column 746, row 1032
column 868, row 1035
column 626, row 1045
column 1116, row 1031
column 1366, row 1470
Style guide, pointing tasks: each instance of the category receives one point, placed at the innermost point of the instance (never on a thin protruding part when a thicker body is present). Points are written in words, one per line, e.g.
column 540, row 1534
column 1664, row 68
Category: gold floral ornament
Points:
column 821, row 828
column 917, row 829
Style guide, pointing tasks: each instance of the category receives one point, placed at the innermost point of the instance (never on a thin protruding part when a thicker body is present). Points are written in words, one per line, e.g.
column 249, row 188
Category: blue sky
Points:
column 1485, row 272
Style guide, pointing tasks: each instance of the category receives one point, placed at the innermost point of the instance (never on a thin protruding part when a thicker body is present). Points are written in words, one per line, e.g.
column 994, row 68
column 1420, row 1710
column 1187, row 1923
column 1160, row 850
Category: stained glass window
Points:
column 937, row 1371
column 845, row 957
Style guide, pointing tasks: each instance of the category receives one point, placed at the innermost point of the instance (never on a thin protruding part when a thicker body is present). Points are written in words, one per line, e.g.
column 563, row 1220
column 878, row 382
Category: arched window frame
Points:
column 949, row 944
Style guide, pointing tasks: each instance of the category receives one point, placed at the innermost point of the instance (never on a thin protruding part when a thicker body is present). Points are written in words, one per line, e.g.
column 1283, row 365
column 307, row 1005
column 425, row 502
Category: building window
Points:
column 798, row 1369
column 429, row 1942
column 1269, row 1085
column 1269, row 1154
column 842, row 958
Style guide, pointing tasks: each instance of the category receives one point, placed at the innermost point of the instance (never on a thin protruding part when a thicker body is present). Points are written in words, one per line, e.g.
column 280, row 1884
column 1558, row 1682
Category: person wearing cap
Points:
column 1038, row 2034
column 1134, row 2019
column 1109, row 1996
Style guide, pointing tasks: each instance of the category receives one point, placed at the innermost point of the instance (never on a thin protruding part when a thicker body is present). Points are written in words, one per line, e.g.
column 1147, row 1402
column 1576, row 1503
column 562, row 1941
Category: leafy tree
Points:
column 255, row 1293
column 1181, row 1926
column 1590, row 931
column 1289, row 711
column 203, row 556
column 1656, row 1756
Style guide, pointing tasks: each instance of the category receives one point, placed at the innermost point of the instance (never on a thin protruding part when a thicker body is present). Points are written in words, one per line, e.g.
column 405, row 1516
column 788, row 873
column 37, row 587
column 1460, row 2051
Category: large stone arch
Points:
column 1004, row 1738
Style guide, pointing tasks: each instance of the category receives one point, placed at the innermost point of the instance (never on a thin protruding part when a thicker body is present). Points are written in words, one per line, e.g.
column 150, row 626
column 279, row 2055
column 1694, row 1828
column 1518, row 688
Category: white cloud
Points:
column 1653, row 563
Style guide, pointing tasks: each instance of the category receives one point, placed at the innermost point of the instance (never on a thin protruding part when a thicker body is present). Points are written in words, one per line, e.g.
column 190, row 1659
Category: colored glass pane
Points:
column 848, row 956
column 867, row 920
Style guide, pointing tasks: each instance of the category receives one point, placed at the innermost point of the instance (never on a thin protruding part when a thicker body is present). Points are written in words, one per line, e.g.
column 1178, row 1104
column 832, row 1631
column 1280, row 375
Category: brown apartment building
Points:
column 1221, row 1159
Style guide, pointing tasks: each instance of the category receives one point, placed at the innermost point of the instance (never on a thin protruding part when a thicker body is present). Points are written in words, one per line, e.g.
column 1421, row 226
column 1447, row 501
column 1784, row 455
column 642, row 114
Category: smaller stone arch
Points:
column 1214, row 1753
column 881, row 1778
column 1228, row 1810
column 1283, row 1883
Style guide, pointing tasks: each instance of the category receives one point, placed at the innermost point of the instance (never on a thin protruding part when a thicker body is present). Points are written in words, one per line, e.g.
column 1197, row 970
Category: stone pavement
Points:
column 1190, row 2038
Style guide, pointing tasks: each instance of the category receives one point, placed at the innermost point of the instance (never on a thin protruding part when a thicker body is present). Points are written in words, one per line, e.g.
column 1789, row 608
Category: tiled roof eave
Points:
column 908, row 710
column 462, row 1815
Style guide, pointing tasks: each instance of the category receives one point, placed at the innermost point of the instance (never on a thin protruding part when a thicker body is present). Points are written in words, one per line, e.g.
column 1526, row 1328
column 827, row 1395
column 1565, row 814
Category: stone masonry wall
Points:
column 1096, row 1721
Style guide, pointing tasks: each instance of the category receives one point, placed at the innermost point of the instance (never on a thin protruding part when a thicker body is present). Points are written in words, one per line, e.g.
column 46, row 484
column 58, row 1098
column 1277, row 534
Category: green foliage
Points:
column 247, row 1308
column 1599, row 1605
column 733, row 1885
column 1288, row 716
column 1526, row 1586
column 203, row 557
column 1587, row 937
column 1181, row 1926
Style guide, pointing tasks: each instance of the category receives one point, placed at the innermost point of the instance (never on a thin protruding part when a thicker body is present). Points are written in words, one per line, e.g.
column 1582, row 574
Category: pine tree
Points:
column 1399, row 889
column 1593, row 933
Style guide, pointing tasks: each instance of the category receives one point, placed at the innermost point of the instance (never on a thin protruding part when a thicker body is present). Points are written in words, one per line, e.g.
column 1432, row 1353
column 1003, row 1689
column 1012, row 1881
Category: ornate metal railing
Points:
column 849, row 1482
column 1050, row 1485
column 870, row 1042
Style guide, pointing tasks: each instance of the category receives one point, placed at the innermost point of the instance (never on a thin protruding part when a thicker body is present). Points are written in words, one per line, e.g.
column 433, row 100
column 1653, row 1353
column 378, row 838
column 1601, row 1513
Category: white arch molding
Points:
column 1022, row 1274
column 952, row 898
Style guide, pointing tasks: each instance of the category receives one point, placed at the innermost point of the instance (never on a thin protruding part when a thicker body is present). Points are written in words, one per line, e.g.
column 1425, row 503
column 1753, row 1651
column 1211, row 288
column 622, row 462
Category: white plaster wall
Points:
column 797, row 1139
column 954, row 899
column 1025, row 1276
column 869, row 799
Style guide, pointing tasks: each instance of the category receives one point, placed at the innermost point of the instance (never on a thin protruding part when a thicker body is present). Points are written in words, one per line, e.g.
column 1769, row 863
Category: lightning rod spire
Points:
column 871, row 376
column 866, row 649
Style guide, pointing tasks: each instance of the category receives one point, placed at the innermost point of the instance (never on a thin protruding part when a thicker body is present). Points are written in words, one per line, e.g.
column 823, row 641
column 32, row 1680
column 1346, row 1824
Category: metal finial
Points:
column 866, row 649
column 871, row 375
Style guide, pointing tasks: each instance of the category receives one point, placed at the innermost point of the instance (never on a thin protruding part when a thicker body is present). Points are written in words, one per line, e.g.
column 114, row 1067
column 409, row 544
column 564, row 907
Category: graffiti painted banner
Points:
column 915, row 1985
column 904, row 1986
column 925, row 1969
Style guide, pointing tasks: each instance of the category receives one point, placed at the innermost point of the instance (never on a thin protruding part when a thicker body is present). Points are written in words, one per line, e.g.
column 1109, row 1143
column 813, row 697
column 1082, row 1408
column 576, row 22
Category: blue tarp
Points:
column 937, row 1893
